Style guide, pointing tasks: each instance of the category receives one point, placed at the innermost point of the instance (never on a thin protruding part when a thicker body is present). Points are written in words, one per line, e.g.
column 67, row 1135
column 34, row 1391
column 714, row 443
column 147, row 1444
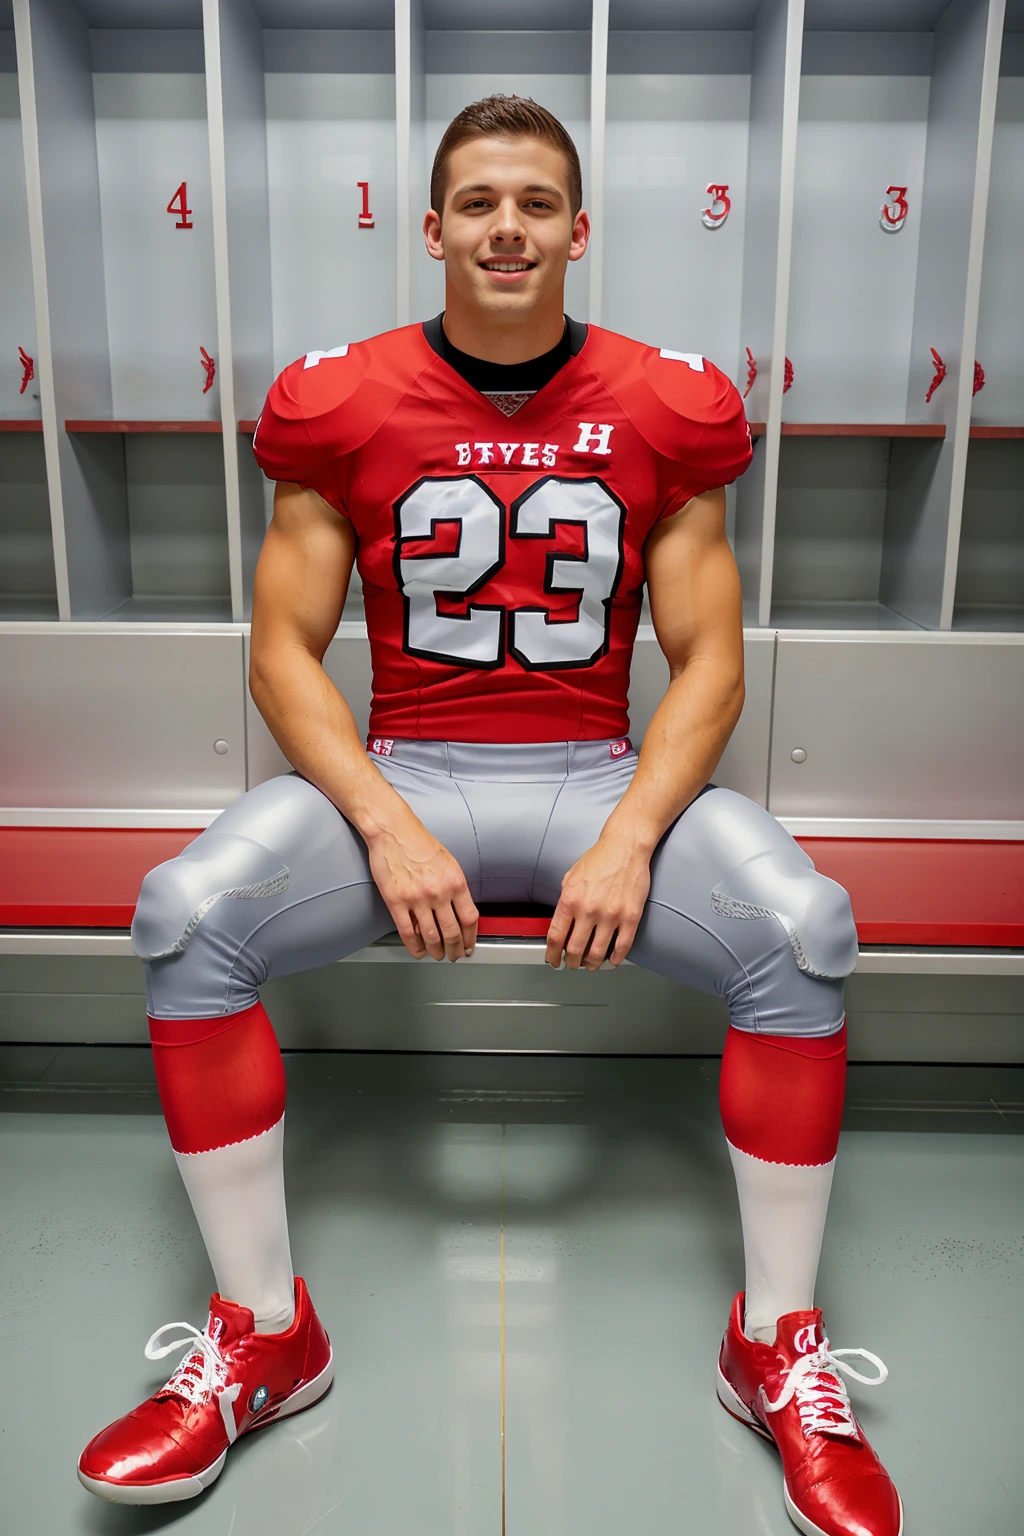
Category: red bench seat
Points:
column 944, row 892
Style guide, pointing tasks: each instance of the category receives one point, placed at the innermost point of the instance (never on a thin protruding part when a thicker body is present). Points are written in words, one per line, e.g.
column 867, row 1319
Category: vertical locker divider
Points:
column 774, row 103
column 990, row 558
column 598, row 119
column 88, row 498
column 241, row 226
column 924, row 508
column 989, row 87
column 28, row 588
column 410, row 134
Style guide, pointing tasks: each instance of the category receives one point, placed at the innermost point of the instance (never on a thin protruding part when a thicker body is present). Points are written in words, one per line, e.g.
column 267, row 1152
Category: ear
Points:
column 432, row 235
column 580, row 236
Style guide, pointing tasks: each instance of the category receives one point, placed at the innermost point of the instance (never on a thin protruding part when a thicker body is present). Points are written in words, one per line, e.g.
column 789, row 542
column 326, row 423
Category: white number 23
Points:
column 477, row 638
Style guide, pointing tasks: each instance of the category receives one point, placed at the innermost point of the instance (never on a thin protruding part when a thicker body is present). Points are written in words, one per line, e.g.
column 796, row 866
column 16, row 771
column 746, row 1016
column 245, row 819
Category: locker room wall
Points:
column 882, row 564
column 271, row 113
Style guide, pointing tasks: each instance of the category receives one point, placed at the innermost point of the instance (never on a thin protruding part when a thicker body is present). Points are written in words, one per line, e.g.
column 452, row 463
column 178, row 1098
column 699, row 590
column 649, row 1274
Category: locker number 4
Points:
column 178, row 204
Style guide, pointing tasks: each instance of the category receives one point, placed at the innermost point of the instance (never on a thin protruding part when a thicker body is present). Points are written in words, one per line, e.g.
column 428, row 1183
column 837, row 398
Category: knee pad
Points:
column 176, row 895
column 814, row 910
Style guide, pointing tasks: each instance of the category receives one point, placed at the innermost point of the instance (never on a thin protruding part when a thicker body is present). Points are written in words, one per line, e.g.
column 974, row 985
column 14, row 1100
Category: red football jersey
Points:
column 502, row 557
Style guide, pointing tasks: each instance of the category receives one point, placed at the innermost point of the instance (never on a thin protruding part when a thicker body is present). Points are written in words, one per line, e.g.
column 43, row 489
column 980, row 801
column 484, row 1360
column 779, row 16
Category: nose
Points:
column 507, row 225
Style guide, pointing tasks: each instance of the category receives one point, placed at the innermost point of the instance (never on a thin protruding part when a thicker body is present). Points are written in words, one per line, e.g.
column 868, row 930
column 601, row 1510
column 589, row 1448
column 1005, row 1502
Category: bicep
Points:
column 694, row 586
column 302, row 575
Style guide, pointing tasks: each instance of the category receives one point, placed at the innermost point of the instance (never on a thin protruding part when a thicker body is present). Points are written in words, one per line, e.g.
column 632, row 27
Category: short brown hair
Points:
column 508, row 117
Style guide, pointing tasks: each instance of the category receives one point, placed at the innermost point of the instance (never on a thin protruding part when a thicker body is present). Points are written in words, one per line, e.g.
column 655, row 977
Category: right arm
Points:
column 301, row 582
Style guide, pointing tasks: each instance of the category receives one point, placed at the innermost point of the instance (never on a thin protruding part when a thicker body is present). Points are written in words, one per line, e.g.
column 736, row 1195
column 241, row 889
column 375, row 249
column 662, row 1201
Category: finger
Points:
column 624, row 937
column 427, row 926
column 600, row 943
column 451, row 932
column 410, row 935
column 468, row 916
column 558, row 933
column 575, row 949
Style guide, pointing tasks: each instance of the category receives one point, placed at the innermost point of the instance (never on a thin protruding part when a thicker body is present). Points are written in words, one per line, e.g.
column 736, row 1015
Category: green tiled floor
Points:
column 596, row 1196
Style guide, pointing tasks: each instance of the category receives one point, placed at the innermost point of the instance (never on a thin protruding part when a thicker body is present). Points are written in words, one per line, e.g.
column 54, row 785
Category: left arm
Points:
column 697, row 611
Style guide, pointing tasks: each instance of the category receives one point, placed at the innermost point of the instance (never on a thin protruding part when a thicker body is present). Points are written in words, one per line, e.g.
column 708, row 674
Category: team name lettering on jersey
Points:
column 532, row 455
column 593, row 438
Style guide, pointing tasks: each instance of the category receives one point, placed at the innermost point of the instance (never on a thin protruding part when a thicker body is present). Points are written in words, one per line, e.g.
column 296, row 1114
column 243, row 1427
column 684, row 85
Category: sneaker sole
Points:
column 176, row 1489
column 736, row 1407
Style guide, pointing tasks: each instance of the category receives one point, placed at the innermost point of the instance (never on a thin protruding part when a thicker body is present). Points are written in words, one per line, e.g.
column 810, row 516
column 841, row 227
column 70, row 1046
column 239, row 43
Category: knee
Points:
column 177, row 895
column 816, row 913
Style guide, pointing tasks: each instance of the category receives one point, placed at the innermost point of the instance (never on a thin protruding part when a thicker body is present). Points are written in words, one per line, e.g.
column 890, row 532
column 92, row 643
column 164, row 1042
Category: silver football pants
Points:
column 280, row 882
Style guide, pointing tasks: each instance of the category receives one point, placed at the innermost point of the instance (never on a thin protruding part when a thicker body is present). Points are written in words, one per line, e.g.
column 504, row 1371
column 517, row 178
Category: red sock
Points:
column 781, row 1096
column 221, row 1080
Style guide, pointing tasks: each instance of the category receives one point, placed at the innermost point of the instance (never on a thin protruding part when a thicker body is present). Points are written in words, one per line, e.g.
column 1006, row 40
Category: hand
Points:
column 603, row 897
column 425, row 891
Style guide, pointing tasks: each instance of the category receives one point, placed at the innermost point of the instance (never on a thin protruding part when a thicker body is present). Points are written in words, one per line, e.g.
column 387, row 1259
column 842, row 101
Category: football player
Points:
column 507, row 479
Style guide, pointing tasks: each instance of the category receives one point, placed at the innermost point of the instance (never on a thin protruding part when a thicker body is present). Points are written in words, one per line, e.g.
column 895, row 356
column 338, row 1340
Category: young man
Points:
column 510, row 479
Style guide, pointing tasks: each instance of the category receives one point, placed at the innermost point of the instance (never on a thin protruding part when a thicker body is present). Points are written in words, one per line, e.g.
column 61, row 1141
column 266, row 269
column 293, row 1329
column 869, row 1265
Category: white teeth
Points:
column 506, row 266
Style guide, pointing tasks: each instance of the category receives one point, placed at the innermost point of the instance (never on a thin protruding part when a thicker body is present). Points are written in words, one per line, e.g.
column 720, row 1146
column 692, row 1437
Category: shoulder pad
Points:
column 340, row 395
column 689, row 392
column 680, row 402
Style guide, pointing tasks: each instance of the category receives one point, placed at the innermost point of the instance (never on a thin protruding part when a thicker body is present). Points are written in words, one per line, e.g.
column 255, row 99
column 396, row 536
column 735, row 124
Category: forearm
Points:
column 315, row 729
column 681, row 749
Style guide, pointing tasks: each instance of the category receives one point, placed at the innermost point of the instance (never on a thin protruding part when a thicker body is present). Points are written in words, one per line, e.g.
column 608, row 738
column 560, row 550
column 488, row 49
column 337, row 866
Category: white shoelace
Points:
column 200, row 1374
column 821, row 1397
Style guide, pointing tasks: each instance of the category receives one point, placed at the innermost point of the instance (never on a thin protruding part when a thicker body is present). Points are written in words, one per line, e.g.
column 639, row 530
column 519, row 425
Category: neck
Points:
column 496, row 339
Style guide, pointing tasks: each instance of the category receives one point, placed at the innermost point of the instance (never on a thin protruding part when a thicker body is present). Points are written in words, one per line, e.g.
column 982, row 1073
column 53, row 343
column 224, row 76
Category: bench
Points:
column 939, row 906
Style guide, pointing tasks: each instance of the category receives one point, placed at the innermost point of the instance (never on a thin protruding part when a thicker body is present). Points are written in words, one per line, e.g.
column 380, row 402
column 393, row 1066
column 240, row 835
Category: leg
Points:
column 279, row 883
column 786, row 939
column 737, row 909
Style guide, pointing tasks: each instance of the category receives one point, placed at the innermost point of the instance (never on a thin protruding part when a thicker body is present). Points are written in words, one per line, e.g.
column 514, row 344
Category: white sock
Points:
column 237, row 1193
column 782, row 1210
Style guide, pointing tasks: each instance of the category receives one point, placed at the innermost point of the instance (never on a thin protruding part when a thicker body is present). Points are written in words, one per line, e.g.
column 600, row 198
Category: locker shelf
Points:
column 863, row 429
column 1005, row 434
column 156, row 609
column 142, row 426
column 838, row 615
column 27, row 425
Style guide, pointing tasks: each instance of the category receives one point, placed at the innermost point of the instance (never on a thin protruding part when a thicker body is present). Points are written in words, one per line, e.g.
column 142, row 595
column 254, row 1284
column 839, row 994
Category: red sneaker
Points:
column 231, row 1381
column 791, row 1393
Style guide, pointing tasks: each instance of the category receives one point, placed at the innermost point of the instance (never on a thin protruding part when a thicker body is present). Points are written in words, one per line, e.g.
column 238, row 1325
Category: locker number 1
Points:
column 366, row 217
column 179, row 205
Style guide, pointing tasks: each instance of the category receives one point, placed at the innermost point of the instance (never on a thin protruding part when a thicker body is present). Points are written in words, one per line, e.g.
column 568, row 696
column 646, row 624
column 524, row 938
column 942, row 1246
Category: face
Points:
column 506, row 207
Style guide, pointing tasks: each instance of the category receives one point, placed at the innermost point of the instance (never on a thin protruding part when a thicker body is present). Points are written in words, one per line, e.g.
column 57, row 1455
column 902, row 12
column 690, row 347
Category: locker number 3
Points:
column 715, row 215
column 894, row 209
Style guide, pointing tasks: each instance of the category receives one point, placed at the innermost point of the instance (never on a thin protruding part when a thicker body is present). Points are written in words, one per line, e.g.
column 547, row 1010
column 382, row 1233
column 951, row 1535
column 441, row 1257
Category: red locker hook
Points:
column 29, row 370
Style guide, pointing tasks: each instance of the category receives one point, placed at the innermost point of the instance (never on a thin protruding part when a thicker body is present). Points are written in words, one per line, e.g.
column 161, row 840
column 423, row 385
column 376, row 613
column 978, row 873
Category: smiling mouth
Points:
column 494, row 264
